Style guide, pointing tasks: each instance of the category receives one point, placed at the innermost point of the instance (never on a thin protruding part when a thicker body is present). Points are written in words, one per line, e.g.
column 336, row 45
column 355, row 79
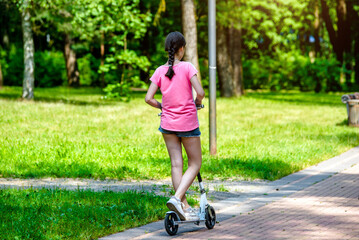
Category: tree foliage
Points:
column 281, row 44
column 121, row 22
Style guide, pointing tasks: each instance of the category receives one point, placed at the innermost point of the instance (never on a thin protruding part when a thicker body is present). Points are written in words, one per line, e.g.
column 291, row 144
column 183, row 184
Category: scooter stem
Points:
column 201, row 187
column 199, row 177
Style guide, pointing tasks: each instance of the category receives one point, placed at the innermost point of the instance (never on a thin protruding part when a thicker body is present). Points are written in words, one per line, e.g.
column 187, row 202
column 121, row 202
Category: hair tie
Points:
column 170, row 65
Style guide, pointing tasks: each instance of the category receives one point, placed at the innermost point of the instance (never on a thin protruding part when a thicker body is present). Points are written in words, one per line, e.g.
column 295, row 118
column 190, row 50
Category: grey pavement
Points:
column 254, row 197
column 325, row 210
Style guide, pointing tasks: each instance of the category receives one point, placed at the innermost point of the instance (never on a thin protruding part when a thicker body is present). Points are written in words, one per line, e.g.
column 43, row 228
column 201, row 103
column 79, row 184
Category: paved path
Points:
column 326, row 210
column 320, row 202
column 163, row 187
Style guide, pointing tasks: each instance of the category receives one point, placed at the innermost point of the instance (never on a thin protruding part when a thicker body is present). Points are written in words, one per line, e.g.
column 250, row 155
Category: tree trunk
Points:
column 4, row 8
column 229, row 63
column 344, row 25
column 340, row 39
column 329, row 25
column 190, row 33
column 1, row 78
column 236, row 57
column 316, row 29
column 29, row 64
column 355, row 18
column 102, row 58
column 356, row 58
column 224, row 62
column 344, row 36
column 73, row 74
column 145, row 46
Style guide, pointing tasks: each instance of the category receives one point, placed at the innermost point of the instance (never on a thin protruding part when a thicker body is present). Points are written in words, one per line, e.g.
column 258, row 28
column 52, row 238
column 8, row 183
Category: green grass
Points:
column 82, row 214
column 220, row 188
column 73, row 133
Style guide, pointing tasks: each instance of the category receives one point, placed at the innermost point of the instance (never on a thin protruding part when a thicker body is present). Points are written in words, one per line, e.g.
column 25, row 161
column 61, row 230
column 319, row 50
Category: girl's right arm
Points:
column 199, row 90
column 150, row 96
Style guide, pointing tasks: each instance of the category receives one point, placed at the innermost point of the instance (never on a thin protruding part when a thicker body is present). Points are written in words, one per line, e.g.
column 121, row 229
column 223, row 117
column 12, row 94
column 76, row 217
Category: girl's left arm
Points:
column 150, row 96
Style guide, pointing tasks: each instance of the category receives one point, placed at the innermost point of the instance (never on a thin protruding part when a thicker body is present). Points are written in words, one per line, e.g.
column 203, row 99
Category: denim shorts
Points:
column 194, row 133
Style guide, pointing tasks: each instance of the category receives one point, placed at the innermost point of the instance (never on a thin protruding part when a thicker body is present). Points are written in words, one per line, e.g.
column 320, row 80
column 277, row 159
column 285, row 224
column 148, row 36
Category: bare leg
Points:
column 192, row 146
column 174, row 149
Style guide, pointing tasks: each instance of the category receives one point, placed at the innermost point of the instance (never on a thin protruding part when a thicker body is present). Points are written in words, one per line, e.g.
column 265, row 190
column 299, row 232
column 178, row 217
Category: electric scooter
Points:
column 206, row 213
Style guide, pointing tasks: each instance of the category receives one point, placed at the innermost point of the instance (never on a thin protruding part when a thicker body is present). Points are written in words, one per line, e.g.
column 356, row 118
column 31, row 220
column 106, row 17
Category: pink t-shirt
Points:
column 179, row 112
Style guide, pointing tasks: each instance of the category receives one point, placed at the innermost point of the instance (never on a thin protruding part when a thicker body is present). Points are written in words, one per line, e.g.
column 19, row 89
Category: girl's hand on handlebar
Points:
column 199, row 106
column 197, row 102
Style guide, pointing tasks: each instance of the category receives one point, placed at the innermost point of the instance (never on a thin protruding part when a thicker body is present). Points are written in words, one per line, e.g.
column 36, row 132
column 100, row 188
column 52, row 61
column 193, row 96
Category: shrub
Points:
column 13, row 70
column 88, row 66
column 50, row 69
column 118, row 91
column 291, row 71
column 255, row 73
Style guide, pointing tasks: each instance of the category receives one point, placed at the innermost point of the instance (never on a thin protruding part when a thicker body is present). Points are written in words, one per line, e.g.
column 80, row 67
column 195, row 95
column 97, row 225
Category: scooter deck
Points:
column 186, row 221
column 206, row 214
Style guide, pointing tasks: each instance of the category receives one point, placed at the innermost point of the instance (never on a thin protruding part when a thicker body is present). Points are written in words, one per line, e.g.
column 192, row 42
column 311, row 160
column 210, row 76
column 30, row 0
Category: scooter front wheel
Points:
column 210, row 217
column 170, row 226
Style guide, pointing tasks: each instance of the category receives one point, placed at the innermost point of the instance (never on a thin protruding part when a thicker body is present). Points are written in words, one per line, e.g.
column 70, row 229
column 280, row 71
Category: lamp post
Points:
column 212, row 76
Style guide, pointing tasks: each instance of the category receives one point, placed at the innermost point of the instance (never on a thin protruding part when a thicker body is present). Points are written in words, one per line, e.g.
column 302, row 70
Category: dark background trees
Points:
column 309, row 45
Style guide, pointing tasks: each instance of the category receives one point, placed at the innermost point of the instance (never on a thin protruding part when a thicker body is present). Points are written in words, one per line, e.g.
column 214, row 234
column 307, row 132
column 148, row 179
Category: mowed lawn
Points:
column 74, row 133
column 79, row 214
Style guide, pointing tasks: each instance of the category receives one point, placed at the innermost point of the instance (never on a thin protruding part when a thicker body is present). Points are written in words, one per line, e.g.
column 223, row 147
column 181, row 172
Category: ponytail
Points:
column 171, row 60
column 174, row 41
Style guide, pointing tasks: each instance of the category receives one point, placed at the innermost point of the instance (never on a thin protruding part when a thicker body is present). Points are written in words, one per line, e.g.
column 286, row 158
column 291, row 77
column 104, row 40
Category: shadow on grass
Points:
column 343, row 123
column 68, row 96
column 248, row 169
column 273, row 168
column 63, row 169
column 55, row 99
column 222, row 168
column 74, row 101
column 9, row 96
column 345, row 138
column 299, row 98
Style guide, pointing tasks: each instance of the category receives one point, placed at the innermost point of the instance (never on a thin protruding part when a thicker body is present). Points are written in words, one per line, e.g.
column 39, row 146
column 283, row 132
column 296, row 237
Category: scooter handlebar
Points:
column 197, row 106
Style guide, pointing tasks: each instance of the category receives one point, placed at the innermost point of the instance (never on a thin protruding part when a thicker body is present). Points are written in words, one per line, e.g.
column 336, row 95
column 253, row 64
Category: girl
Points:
column 179, row 121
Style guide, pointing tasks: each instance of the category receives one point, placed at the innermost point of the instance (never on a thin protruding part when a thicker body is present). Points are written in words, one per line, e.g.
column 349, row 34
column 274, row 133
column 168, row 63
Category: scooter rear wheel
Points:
column 210, row 217
column 170, row 226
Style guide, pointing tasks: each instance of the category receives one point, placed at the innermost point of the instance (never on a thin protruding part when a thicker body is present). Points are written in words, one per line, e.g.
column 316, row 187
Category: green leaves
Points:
column 265, row 24
column 109, row 17
column 114, row 25
column 118, row 91
column 130, row 57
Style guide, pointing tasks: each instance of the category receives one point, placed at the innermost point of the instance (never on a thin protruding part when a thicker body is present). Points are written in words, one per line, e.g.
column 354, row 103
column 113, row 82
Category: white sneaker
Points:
column 191, row 214
column 176, row 205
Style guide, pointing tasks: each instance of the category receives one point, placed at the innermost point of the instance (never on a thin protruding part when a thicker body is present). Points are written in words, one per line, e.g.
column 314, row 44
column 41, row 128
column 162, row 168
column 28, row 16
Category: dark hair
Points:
column 174, row 41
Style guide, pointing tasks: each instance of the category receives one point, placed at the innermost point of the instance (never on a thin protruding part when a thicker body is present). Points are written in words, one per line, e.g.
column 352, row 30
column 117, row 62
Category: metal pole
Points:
column 212, row 76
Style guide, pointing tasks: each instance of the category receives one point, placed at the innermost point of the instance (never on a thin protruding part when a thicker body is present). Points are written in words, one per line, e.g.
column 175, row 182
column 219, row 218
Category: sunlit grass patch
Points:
column 263, row 135
column 81, row 214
